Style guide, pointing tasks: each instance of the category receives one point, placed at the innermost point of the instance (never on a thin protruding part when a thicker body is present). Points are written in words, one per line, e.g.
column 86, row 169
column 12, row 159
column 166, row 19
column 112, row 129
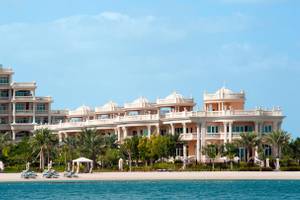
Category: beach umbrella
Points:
column 27, row 166
column 121, row 164
column 69, row 167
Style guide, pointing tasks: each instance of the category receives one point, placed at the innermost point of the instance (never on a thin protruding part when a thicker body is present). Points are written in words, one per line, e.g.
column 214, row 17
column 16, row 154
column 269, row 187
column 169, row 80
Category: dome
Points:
column 84, row 109
column 174, row 95
column 224, row 90
column 141, row 100
column 110, row 105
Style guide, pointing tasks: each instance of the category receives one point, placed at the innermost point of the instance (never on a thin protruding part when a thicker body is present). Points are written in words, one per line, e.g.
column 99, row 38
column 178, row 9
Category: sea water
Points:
column 151, row 190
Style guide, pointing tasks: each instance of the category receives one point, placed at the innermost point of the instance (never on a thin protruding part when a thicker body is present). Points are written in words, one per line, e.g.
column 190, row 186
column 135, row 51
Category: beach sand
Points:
column 124, row 176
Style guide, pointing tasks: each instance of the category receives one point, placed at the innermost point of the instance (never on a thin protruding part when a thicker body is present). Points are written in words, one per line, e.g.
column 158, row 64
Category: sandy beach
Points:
column 123, row 176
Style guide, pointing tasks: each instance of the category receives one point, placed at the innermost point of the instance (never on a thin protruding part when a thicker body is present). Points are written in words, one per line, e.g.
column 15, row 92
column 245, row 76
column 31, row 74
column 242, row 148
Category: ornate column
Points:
column 172, row 129
column 225, row 132
column 184, row 128
column 149, row 131
column 158, row 129
column 124, row 132
column 14, row 113
column 198, row 147
column 230, row 131
column 203, row 138
column 33, row 110
column 184, row 156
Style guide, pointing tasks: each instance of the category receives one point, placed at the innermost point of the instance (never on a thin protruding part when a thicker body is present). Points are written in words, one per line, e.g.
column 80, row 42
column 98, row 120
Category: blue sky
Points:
column 90, row 52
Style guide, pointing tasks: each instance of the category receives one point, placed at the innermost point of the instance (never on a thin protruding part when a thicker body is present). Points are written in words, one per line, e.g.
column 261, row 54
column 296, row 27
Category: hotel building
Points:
column 21, row 109
column 221, row 120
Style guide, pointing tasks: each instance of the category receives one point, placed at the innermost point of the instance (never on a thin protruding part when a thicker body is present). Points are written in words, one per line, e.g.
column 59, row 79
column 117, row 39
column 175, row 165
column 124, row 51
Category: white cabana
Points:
column 82, row 160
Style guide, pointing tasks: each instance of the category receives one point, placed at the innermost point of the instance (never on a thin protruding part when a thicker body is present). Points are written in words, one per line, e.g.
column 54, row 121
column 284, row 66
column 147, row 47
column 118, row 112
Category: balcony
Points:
column 138, row 118
column 24, row 98
column 3, row 112
column 44, row 99
column 215, row 136
column 24, row 112
column 188, row 136
column 40, row 112
column 28, row 85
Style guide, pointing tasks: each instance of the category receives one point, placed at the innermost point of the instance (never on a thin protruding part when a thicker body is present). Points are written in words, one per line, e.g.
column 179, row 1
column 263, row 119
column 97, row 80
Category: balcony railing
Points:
column 3, row 112
column 224, row 113
column 24, row 111
column 41, row 111
column 188, row 136
column 138, row 118
column 175, row 101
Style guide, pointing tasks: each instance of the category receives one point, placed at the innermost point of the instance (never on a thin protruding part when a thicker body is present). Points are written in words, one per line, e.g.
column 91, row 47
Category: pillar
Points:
column 184, row 156
column 203, row 137
column 172, row 129
column 184, row 128
column 149, row 131
column 158, row 129
column 225, row 132
column 198, row 153
column 60, row 137
column 124, row 132
column 13, row 135
column 14, row 113
column 230, row 132
column 33, row 110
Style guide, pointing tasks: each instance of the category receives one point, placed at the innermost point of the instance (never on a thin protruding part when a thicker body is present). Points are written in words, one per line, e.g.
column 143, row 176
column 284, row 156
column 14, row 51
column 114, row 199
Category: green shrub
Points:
column 291, row 168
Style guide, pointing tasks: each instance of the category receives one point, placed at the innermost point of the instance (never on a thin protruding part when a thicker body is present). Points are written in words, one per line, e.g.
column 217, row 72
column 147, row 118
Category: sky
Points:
column 90, row 52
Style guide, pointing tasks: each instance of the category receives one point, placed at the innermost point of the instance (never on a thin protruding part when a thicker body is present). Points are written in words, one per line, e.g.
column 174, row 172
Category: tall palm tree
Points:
column 128, row 148
column 91, row 143
column 68, row 147
column 249, row 141
column 212, row 151
column 229, row 150
column 42, row 142
column 277, row 139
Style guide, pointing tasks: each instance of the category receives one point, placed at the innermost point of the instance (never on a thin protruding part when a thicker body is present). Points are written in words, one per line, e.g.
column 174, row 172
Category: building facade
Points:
column 222, row 119
column 21, row 109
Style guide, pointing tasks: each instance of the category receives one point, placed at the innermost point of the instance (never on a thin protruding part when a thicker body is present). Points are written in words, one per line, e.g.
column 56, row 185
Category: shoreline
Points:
column 158, row 176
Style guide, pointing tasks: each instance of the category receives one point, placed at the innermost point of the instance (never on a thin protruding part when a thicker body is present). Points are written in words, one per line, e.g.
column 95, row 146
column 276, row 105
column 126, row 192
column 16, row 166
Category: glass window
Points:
column 23, row 93
column 20, row 106
column 4, row 80
column 41, row 106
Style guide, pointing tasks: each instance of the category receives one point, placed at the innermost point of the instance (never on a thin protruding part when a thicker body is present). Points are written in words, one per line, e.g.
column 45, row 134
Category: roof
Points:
column 175, row 95
column 82, row 159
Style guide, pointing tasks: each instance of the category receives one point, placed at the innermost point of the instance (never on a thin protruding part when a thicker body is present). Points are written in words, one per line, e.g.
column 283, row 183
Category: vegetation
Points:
column 141, row 153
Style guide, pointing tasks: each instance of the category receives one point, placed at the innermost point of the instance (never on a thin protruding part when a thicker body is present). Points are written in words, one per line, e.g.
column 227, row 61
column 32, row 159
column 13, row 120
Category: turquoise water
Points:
column 152, row 190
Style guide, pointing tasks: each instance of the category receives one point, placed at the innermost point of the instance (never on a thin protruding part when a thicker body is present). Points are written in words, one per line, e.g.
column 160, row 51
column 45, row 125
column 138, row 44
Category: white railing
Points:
column 188, row 136
column 43, row 98
column 24, row 111
column 138, row 117
column 224, row 113
column 174, row 101
column 24, row 84
column 138, row 105
column 223, row 96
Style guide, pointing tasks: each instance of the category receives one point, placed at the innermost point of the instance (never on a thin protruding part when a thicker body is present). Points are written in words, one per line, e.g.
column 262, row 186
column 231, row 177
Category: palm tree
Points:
column 229, row 150
column 249, row 141
column 5, row 139
column 68, row 147
column 277, row 139
column 212, row 151
column 128, row 148
column 91, row 143
column 43, row 141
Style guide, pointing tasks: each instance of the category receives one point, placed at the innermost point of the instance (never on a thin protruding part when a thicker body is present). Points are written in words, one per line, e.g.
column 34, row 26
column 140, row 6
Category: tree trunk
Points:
column 129, row 157
column 231, row 165
column 213, row 164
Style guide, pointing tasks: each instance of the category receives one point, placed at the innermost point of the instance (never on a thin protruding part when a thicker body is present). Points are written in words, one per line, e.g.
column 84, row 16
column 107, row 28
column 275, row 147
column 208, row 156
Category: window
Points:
column 4, row 93
column 20, row 106
column 41, row 106
column 267, row 129
column 213, row 129
column 23, row 93
column 239, row 129
column 23, row 120
column 4, row 80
